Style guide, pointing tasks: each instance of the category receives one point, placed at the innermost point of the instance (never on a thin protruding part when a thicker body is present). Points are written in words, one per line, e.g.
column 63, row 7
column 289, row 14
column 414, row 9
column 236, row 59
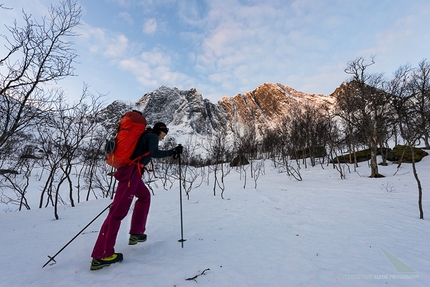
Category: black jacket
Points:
column 148, row 141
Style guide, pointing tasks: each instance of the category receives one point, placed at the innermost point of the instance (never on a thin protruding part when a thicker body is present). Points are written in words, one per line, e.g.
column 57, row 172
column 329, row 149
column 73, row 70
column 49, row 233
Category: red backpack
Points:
column 119, row 150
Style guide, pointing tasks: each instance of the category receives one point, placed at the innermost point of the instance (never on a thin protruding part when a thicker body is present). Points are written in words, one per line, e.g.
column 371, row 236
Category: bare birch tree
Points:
column 38, row 53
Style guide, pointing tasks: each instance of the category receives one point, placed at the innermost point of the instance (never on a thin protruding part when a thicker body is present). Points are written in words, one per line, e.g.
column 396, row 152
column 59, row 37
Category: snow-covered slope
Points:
column 322, row 231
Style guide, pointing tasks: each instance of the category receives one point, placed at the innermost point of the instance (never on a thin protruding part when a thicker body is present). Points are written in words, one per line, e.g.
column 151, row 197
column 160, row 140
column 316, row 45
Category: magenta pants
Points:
column 130, row 185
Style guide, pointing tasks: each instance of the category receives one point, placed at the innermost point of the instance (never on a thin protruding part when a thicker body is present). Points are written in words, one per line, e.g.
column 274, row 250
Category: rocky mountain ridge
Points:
column 186, row 112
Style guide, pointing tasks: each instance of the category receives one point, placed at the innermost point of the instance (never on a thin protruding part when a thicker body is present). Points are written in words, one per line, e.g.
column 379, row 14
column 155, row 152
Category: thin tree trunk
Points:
column 420, row 190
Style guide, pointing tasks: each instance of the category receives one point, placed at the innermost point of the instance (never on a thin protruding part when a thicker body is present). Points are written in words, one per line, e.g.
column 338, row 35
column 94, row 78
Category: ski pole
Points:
column 182, row 240
column 52, row 258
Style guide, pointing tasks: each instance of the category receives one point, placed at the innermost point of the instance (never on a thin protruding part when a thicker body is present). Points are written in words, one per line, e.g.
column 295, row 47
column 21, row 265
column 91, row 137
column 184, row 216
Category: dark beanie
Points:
column 160, row 127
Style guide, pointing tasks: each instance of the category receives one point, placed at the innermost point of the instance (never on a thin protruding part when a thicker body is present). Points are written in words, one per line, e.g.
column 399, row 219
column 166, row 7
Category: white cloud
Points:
column 242, row 48
column 150, row 26
column 156, row 58
column 153, row 69
column 140, row 69
column 101, row 41
column 191, row 11
column 116, row 46
column 126, row 17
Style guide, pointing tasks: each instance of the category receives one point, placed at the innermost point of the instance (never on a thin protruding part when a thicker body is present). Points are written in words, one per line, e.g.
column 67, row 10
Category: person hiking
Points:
column 130, row 185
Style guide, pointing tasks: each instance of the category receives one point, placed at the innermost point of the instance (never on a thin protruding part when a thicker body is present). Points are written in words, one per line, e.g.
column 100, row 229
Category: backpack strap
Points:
column 140, row 166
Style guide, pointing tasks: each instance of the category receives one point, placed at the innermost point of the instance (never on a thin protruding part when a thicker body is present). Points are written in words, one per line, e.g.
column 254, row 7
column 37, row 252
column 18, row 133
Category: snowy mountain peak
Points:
column 189, row 113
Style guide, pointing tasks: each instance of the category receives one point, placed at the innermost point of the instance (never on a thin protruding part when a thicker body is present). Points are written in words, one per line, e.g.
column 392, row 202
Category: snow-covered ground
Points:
column 322, row 231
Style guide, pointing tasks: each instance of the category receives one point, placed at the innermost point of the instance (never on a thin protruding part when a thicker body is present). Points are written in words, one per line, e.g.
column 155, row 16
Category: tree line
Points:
column 369, row 112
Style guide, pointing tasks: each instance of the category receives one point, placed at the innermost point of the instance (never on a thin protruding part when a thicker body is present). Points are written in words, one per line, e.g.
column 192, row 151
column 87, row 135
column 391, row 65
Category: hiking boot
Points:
column 134, row 238
column 99, row 264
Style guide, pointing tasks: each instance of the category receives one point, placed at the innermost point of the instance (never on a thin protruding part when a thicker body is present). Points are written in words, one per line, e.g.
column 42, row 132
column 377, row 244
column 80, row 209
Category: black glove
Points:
column 178, row 150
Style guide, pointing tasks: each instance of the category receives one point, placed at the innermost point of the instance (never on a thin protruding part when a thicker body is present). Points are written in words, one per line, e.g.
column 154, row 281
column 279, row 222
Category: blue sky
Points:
column 224, row 47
